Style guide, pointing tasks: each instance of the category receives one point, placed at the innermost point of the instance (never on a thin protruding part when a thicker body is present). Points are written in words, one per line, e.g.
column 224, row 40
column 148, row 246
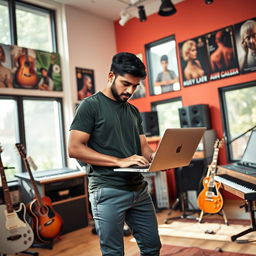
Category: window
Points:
column 239, row 111
column 40, row 133
column 168, row 114
column 28, row 26
column 5, row 37
column 33, row 121
column 34, row 28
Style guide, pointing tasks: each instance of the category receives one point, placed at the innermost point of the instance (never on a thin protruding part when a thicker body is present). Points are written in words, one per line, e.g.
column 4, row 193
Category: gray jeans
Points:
column 112, row 207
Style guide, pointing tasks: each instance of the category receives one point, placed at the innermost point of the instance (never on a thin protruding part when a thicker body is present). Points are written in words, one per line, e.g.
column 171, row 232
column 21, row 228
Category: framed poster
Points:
column 245, row 34
column 6, row 76
column 48, row 71
column 194, row 61
column 85, row 82
column 162, row 66
column 222, row 54
column 140, row 92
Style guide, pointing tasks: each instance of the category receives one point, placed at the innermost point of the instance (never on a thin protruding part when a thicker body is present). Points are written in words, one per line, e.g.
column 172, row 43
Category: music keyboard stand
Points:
column 249, row 207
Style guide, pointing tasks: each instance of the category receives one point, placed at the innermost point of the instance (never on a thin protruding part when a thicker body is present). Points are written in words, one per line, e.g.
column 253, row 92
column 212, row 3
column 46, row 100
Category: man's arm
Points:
column 78, row 149
column 146, row 150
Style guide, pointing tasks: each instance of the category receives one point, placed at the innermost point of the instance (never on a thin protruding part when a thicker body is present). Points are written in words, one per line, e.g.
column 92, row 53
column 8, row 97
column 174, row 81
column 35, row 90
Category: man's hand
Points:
column 133, row 160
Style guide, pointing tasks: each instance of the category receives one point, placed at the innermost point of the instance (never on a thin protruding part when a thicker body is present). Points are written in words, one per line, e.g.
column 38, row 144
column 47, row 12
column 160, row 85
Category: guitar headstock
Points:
column 219, row 143
column 21, row 150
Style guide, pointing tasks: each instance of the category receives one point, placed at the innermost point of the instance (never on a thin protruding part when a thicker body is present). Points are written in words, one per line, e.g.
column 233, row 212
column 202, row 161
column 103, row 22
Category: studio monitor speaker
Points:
column 195, row 116
column 150, row 123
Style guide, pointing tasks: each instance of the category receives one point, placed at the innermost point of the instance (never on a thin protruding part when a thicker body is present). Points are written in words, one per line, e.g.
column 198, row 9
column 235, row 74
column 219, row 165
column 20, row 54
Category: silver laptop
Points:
column 175, row 149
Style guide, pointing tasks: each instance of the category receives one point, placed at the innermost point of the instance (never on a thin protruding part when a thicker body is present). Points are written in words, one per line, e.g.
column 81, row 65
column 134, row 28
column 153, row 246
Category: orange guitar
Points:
column 210, row 200
column 46, row 223
column 26, row 75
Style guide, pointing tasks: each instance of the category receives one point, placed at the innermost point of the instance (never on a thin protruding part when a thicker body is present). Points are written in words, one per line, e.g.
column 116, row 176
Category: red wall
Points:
column 193, row 18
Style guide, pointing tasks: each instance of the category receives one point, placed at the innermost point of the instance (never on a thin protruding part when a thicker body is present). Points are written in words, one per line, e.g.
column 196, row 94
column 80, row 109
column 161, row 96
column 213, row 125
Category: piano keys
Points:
column 242, row 183
column 52, row 175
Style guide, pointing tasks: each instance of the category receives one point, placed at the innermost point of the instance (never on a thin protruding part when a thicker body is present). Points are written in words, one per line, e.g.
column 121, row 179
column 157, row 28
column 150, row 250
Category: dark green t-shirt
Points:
column 114, row 130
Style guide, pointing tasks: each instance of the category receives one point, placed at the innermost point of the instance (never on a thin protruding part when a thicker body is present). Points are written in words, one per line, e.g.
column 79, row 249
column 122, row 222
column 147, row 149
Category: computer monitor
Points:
column 249, row 156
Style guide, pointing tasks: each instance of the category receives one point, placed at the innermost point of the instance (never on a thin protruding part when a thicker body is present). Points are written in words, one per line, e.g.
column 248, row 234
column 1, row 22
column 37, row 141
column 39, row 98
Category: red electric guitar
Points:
column 46, row 223
column 210, row 200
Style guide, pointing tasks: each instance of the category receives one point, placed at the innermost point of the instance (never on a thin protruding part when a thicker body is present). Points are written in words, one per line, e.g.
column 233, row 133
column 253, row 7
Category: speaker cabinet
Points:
column 195, row 116
column 73, row 213
column 150, row 123
column 189, row 177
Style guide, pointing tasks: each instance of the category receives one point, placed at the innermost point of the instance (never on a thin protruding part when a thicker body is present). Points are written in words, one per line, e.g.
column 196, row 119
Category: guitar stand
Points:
column 222, row 213
column 43, row 245
column 185, row 214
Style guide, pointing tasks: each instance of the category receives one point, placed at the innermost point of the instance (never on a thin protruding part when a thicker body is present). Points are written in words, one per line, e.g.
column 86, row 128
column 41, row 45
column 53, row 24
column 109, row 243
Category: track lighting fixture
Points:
column 167, row 8
column 208, row 1
column 125, row 16
column 142, row 13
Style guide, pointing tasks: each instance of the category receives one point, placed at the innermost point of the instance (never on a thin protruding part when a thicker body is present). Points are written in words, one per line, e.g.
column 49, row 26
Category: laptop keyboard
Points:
column 139, row 167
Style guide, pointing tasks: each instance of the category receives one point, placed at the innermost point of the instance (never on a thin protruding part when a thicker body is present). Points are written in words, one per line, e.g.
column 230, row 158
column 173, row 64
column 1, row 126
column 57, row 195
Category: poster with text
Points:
column 222, row 54
column 194, row 61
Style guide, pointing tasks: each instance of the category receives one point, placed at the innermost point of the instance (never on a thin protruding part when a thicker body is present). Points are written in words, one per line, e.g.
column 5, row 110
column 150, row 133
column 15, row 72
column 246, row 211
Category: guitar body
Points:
column 46, row 223
column 210, row 200
column 16, row 234
column 26, row 75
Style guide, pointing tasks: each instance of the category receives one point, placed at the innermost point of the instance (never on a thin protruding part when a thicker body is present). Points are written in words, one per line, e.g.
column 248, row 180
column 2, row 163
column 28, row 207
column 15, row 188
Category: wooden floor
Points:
column 83, row 243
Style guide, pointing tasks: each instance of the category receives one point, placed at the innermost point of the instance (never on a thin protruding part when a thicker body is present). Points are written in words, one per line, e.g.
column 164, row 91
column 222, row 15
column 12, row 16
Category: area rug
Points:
column 170, row 250
column 207, row 230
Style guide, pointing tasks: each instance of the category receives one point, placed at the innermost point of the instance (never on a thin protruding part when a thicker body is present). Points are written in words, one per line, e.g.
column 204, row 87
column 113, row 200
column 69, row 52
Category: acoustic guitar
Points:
column 46, row 223
column 26, row 75
column 16, row 234
column 210, row 200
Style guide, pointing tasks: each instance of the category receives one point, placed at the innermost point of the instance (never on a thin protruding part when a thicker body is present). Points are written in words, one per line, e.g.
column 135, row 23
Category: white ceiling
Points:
column 110, row 9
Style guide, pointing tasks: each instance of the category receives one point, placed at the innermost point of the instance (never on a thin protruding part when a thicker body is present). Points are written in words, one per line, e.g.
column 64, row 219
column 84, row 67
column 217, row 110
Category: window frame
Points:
column 13, row 25
column 224, row 116
column 170, row 100
column 21, row 121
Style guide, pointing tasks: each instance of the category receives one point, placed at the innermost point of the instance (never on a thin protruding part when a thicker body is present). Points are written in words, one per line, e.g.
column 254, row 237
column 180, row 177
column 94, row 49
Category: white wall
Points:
column 91, row 43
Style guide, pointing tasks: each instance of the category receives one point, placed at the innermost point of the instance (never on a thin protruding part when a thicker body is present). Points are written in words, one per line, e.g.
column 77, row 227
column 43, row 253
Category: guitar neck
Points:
column 37, row 194
column 6, row 191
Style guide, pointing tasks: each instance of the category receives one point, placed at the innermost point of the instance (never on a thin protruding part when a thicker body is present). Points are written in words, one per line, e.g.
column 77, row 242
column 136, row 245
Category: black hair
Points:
column 164, row 58
column 41, row 69
column 128, row 63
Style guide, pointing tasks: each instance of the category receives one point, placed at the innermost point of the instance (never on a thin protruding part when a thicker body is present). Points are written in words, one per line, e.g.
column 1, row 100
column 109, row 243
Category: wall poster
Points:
column 245, row 33
column 194, row 61
column 85, row 82
column 162, row 66
column 25, row 68
column 222, row 54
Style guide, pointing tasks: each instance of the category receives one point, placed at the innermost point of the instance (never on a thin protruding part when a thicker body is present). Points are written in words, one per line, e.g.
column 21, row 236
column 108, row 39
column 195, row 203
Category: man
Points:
column 106, row 133
column 85, row 91
column 166, row 78
column 45, row 83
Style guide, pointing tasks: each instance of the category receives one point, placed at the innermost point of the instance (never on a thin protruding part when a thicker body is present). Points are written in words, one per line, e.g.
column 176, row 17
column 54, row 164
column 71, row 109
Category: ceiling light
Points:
column 208, row 1
column 167, row 8
column 142, row 13
column 125, row 16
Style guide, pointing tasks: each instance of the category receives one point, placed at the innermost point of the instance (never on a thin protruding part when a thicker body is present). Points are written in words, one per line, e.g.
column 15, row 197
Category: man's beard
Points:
column 116, row 95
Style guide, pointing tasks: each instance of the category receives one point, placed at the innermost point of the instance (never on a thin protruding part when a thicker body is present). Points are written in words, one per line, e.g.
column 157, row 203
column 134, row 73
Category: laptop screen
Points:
column 249, row 156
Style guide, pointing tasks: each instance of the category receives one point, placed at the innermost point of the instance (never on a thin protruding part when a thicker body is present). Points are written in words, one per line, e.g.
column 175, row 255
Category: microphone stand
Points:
column 239, row 136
